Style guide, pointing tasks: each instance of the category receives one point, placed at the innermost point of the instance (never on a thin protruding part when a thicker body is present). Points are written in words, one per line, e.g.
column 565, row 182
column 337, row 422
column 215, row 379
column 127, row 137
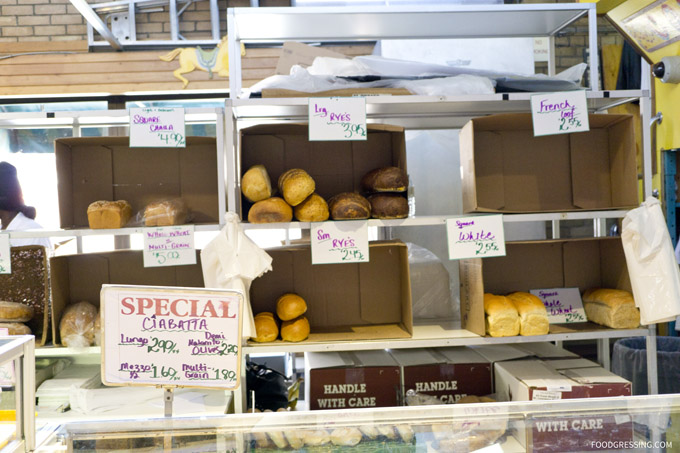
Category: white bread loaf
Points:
column 502, row 319
column 613, row 308
column 533, row 317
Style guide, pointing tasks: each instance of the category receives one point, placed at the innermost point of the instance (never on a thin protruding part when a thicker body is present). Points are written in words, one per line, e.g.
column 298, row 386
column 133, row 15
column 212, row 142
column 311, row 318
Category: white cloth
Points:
column 22, row 223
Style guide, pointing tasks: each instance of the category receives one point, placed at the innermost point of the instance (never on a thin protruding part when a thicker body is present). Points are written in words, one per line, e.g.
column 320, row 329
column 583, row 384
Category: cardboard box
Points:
column 106, row 168
column 447, row 373
column 340, row 380
column 335, row 166
column 560, row 263
column 359, row 301
column 76, row 278
column 507, row 169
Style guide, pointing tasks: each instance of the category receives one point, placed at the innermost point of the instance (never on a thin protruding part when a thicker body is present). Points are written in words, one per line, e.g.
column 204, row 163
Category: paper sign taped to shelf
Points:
column 564, row 305
column 559, row 113
column 185, row 337
column 337, row 119
column 5, row 256
column 157, row 127
column 169, row 246
column 475, row 237
column 339, row 242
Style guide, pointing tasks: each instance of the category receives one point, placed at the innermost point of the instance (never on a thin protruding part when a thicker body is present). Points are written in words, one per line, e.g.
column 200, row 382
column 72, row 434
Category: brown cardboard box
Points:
column 106, row 168
column 447, row 373
column 507, row 169
column 559, row 263
column 360, row 301
column 76, row 278
column 340, row 380
column 335, row 166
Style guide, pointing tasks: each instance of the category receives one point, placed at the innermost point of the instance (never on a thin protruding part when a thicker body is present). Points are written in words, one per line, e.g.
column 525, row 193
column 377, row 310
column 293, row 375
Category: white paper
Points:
column 5, row 256
column 338, row 119
column 559, row 113
column 475, row 237
column 339, row 242
column 169, row 246
column 564, row 305
column 157, row 127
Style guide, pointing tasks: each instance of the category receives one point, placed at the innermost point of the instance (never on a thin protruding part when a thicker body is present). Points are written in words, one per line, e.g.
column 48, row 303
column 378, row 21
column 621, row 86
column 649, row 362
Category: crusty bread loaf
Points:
column 104, row 214
column 271, row 210
column 166, row 213
column 15, row 328
column 533, row 317
column 313, row 209
column 385, row 179
column 15, row 312
column 295, row 185
column 502, row 319
column 290, row 306
column 266, row 327
column 349, row 206
column 614, row 308
column 388, row 206
column 76, row 326
column 295, row 330
column 255, row 184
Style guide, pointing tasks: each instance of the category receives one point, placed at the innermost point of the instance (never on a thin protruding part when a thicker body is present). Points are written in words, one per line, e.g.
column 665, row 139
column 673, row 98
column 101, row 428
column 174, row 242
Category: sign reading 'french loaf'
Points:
column 171, row 337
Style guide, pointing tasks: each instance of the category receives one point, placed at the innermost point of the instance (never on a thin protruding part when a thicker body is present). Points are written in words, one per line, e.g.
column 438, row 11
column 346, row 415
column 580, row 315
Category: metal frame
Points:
column 20, row 350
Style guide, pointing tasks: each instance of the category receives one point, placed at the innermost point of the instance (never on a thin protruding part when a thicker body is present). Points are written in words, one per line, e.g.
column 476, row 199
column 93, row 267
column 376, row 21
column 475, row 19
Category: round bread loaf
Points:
column 266, row 327
column 295, row 330
column 271, row 210
column 388, row 206
column 290, row 306
column 385, row 179
column 255, row 184
column 313, row 209
column 348, row 206
column 15, row 312
column 295, row 185
column 76, row 326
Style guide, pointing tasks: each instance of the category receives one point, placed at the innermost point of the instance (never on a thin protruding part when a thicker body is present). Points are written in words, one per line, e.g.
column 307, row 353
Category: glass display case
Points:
column 639, row 423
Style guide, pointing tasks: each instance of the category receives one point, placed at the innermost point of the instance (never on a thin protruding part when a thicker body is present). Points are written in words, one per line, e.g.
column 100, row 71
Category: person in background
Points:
column 14, row 214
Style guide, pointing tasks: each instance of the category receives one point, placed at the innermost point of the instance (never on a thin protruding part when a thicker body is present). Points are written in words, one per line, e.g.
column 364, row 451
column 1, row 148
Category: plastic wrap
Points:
column 430, row 290
column 77, row 325
column 652, row 267
column 165, row 212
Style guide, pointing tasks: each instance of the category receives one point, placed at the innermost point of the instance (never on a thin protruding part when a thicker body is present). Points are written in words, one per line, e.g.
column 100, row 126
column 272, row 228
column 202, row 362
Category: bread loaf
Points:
column 295, row 330
column 502, row 319
column 15, row 312
column 313, row 209
column 349, row 206
column 346, row 437
column 290, row 306
column 614, row 308
column 76, row 326
column 108, row 214
column 255, row 184
column 295, row 185
column 271, row 210
column 385, row 179
column 266, row 327
column 533, row 317
column 98, row 329
column 15, row 328
column 388, row 206
column 166, row 213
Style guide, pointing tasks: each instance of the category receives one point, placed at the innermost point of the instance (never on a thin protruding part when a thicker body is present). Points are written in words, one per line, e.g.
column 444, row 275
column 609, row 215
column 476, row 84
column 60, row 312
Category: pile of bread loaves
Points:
column 104, row 214
column 13, row 315
column 80, row 325
column 294, row 326
column 385, row 190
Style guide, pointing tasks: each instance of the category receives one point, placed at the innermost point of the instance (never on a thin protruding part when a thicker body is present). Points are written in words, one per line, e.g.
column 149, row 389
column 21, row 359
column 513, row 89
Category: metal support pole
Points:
column 603, row 357
column 215, row 20
column 234, row 56
column 168, row 397
column 592, row 49
column 652, row 370
column 174, row 21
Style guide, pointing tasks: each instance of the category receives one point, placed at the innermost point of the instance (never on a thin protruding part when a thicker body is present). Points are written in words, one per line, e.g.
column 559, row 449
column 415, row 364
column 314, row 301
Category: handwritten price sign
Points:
column 169, row 246
column 564, row 305
column 337, row 119
column 5, row 258
column 559, row 113
column 340, row 242
column 157, row 127
column 475, row 237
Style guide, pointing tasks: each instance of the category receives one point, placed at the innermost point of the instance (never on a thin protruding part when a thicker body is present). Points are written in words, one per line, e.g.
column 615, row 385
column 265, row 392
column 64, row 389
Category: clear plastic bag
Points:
column 77, row 325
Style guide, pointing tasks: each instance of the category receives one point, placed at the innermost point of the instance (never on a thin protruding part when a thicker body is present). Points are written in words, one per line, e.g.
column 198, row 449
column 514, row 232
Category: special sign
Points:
column 171, row 337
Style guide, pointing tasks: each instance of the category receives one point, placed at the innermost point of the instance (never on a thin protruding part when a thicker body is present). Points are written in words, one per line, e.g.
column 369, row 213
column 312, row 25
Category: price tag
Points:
column 337, row 119
column 339, row 242
column 169, row 246
column 475, row 237
column 5, row 256
column 564, row 305
column 157, row 127
column 559, row 113
column 188, row 337
column 546, row 395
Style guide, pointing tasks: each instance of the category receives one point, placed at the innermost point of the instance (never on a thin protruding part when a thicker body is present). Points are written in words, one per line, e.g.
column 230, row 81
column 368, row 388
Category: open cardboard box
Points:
column 107, row 168
column 560, row 263
column 335, row 166
column 345, row 302
column 76, row 278
column 507, row 169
